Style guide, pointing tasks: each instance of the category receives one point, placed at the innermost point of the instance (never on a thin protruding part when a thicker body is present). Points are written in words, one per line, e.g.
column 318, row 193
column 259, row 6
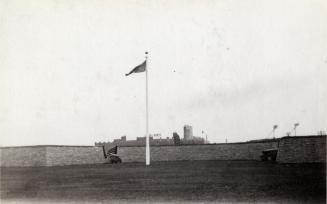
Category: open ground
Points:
column 175, row 181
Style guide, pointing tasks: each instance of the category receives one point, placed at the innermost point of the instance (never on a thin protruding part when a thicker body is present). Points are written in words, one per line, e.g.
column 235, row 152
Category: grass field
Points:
column 185, row 181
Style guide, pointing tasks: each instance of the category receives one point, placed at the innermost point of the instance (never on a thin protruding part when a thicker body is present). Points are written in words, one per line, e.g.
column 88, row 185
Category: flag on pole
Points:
column 137, row 69
column 143, row 68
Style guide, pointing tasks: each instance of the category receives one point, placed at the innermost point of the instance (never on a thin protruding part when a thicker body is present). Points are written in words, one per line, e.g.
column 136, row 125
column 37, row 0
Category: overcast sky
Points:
column 230, row 68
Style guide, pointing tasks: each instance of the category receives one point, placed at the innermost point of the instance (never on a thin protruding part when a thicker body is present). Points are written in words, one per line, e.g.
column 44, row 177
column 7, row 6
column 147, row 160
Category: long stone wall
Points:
column 50, row 155
column 291, row 150
column 302, row 149
column 73, row 155
column 236, row 151
column 23, row 156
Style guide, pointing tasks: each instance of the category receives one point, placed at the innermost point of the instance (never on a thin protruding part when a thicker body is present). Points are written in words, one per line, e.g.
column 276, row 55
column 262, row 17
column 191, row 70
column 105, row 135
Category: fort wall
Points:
column 302, row 149
column 231, row 151
column 23, row 156
column 290, row 150
column 73, row 155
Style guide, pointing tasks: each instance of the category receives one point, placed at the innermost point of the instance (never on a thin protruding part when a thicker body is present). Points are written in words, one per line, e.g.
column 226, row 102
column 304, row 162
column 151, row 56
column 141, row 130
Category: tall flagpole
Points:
column 147, row 148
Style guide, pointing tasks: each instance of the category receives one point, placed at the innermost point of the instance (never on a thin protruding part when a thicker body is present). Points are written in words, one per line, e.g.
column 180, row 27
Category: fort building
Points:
column 157, row 140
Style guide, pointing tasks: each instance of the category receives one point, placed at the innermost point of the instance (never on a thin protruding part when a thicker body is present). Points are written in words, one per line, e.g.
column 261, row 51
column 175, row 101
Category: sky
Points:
column 232, row 69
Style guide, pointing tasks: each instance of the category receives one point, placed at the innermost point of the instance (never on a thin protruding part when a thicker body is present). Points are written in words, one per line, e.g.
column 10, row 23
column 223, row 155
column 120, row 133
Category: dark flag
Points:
column 110, row 151
column 139, row 68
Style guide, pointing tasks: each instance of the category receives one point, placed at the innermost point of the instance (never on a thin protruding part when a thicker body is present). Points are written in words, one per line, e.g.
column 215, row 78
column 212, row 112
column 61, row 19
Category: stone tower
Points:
column 188, row 132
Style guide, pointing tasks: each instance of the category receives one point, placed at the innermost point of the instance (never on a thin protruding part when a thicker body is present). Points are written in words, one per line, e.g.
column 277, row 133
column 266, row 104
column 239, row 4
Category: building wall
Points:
column 23, row 156
column 73, row 155
column 140, row 141
column 302, row 149
column 291, row 150
column 50, row 155
column 236, row 151
column 194, row 140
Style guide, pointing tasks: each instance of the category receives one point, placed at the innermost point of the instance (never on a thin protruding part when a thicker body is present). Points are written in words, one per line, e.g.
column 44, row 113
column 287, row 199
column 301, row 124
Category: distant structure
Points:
column 188, row 132
column 140, row 141
column 189, row 138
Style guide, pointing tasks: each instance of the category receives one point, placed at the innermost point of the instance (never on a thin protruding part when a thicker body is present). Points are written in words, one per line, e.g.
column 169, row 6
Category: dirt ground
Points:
column 177, row 181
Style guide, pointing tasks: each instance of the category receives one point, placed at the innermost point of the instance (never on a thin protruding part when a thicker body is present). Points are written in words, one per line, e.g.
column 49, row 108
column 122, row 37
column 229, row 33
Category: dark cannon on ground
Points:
column 269, row 155
column 112, row 155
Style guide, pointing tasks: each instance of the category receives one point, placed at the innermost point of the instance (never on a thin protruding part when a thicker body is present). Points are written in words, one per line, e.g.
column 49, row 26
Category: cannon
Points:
column 112, row 155
column 269, row 154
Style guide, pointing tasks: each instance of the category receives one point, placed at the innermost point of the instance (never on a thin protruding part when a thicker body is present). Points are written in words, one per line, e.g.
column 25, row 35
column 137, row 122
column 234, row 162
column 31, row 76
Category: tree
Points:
column 177, row 139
